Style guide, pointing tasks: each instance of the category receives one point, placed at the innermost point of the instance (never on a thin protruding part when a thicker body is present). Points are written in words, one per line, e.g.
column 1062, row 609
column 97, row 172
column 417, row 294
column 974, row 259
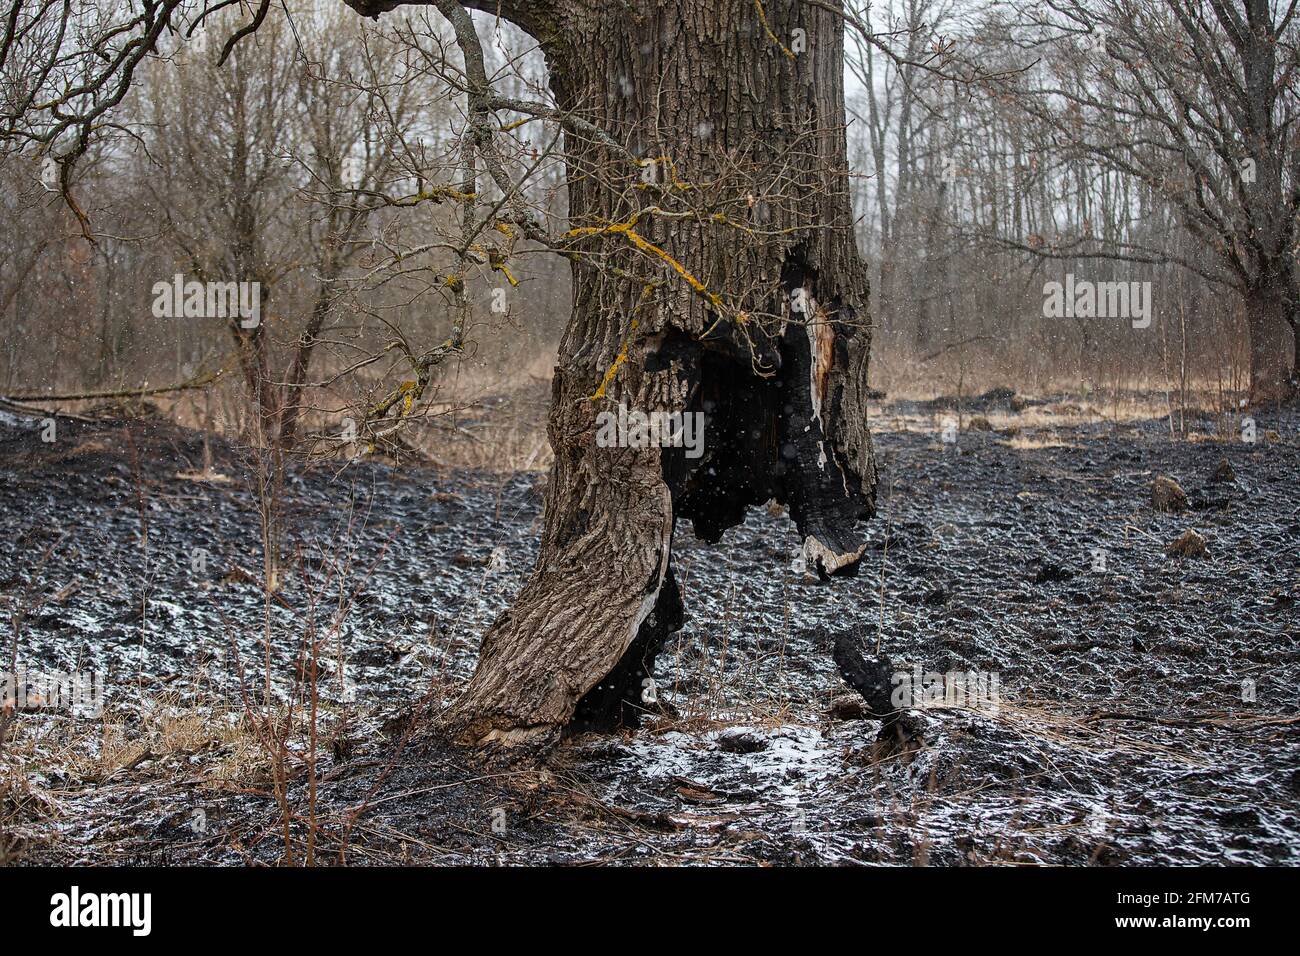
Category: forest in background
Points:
column 981, row 548
column 985, row 159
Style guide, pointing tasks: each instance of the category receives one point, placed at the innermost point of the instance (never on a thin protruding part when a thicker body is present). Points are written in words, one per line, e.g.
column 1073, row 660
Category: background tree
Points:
column 1197, row 102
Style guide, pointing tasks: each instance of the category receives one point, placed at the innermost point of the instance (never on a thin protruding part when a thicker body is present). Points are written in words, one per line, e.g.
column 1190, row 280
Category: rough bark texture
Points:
column 752, row 311
column 1272, row 342
column 1269, row 280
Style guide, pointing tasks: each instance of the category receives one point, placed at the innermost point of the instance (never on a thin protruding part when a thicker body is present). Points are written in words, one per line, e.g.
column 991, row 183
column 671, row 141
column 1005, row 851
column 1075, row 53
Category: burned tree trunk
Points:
column 715, row 273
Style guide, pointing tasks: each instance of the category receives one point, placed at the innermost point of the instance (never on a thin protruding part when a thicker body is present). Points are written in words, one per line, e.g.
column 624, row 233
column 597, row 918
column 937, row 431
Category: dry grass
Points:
column 1035, row 425
column 28, row 814
column 53, row 761
column 479, row 415
column 147, row 737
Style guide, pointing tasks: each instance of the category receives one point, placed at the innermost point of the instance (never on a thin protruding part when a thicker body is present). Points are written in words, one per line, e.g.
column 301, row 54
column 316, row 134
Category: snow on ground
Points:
column 1121, row 734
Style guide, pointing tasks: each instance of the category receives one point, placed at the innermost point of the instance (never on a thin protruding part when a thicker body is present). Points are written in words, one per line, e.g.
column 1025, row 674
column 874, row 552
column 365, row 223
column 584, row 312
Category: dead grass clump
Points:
column 27, row 817
column 1167, row 494
column 1190, row 544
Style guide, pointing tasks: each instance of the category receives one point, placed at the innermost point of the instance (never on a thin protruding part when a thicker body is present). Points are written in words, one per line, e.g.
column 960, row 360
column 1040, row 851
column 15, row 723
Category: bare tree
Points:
column 901, row 102
column 1198, row 101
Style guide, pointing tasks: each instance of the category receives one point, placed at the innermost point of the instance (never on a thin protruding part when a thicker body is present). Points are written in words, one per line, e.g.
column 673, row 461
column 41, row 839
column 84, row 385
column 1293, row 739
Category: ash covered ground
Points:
column 1123, row 731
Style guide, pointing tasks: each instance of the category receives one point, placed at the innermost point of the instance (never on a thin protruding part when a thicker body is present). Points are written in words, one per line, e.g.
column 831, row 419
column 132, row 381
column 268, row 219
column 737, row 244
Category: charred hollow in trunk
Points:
column 766, row 441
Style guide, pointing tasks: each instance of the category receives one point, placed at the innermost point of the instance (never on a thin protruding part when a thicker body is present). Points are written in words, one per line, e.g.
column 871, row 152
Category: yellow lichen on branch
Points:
column 646, row 246
column 762, row 16
column 434, row 194
column 627, row 231
column 613, row 369
column 623, row 348
column 497, row 261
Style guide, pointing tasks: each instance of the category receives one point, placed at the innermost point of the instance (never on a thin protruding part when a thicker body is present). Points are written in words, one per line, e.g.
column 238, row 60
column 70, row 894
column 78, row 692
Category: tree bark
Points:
column 1269, row 308
column 1270, row 294
column 749, row 307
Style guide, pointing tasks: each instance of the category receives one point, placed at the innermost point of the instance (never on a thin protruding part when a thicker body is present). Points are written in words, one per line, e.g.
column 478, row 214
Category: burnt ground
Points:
column 1123, row 732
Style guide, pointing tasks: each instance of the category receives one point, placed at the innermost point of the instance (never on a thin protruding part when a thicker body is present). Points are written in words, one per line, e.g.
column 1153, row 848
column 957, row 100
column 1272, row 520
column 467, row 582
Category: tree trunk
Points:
column 1272, row 342
column 748, row 305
